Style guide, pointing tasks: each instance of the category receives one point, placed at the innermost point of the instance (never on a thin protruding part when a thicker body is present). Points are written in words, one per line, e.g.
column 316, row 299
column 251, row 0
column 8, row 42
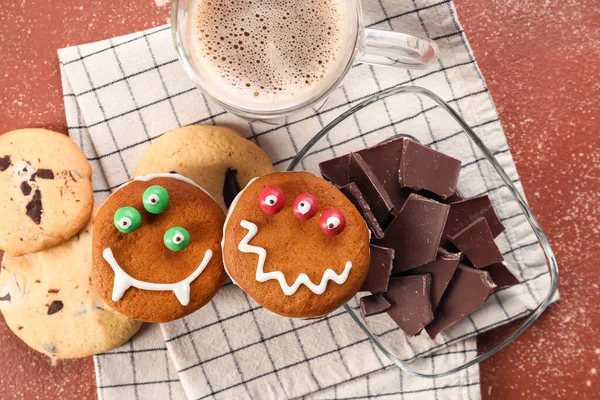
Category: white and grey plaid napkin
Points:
column 122, row 93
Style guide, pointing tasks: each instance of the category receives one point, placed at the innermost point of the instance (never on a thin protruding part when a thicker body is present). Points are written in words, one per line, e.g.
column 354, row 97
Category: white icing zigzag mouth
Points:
column 303, row 279
column 123, row 281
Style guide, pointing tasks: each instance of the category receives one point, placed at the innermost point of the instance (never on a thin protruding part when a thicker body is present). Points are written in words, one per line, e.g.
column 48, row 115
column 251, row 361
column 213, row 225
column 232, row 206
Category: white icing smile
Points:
column 302, row 279
column 123, row 281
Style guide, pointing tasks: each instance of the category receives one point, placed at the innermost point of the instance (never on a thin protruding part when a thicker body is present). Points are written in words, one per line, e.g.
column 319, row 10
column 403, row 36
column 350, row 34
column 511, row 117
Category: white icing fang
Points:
column 302, row 279
column 123, row 281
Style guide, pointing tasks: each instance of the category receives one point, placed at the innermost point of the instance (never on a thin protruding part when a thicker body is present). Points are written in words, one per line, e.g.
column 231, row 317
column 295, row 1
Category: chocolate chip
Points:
column 6, row 297
column 34, row 207
column 19, row 327
column 44, row 174
column 5, row 163
column 38, row 281
column 25, row 188
column 172, row 172
column 55, row 307
column 53, row 290
column 231, row 188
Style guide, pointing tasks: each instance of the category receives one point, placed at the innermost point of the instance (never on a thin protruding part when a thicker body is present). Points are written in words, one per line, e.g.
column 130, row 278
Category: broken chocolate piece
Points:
column 25, row 188
column 336, row 170
column 423, row 168
column 373, row 305
column 378, row 199
column 467, row 291
column 501, row 276
column 384, row 160
column 379, row 272
column 411, row 308
column 43, row 174
column 5, row 163
column 477, row 244
column 465, row 212
column 231, row 188
column 441, row 271
column 34, row 207
column 454, row 198
column 55, row 307
column 353, row 193
column 415, row 233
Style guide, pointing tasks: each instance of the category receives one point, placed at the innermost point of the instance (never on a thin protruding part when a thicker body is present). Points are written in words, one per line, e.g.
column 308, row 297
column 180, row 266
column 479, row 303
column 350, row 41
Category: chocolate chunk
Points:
column 423, row 168
column 378, row 199
column 353, row 193
column 501, row 276
column 5, row 163
column 411, row 307
column 373, row 305
column 384, row 160
column 231, row 188
column 454, row 198
column 336, row 170
column 415, row 233
column 468, row 290
column 55, row 307
column 477, row 244
column 6, row 297
column 465, row 212
column 44, row 174
column 441, row 271
column 53, row 290
column 34, row 207
column 379, row 272
column 25, row 188
column 19, row 327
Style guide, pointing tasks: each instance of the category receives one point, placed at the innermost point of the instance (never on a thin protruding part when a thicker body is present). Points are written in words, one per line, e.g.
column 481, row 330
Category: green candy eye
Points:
column 127, row 219
column 177, row 238
column 155, row 199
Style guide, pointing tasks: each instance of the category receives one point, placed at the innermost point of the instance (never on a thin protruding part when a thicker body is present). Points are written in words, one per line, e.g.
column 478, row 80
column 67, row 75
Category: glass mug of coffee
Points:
column 265, row 59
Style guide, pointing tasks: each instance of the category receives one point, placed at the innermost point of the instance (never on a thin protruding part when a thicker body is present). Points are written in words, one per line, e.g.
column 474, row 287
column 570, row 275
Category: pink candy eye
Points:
column 305, row 206
column 333, row 222
column 271, row 199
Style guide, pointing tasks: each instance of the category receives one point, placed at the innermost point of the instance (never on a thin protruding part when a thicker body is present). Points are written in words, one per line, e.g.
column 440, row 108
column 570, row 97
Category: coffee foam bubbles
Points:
column 268, row 50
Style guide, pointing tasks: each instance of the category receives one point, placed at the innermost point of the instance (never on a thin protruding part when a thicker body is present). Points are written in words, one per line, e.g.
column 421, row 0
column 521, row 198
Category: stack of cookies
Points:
column 46, row 207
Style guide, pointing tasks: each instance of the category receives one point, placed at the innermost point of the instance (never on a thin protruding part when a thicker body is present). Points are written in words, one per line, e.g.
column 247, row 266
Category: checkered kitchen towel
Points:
column 122, row 93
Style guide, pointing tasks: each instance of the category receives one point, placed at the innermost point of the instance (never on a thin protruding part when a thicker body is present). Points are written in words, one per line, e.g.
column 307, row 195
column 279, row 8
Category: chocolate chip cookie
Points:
column 48, row 300
column 46, row 187
column 217, row 158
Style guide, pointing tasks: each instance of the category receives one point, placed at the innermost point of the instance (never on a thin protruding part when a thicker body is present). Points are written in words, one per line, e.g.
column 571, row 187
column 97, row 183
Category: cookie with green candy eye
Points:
column 156, row 248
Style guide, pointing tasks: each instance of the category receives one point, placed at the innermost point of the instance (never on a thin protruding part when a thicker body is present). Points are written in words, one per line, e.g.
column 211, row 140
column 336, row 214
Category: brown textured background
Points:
column 541, row 62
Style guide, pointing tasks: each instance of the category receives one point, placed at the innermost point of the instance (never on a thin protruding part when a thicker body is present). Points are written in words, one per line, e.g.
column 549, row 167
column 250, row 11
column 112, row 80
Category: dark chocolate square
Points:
column 476, row 243
column 415, row 233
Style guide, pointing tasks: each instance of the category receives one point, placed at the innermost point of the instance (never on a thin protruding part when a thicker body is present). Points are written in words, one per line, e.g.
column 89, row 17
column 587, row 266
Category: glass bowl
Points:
column 527, row 300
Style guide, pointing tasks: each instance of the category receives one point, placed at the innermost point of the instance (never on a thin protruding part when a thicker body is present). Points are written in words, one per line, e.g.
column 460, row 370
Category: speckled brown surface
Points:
column 540, row 60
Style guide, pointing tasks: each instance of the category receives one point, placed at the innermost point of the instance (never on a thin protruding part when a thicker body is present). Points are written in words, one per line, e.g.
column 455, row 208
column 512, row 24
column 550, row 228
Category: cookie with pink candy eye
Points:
column 296, row 244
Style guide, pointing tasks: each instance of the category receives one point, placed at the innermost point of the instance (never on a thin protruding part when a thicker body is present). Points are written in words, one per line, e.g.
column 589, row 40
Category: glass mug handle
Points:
column 397, row 49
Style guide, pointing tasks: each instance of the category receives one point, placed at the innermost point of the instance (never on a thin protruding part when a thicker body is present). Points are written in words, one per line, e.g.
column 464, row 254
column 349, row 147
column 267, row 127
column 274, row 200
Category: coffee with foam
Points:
column 270, row 52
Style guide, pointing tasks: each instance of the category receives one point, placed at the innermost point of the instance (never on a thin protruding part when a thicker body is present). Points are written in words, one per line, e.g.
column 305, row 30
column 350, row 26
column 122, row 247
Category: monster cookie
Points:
column 46, row 189
column 156, row 251
column 48, row 301
column 296, row 244
column 217, row 158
